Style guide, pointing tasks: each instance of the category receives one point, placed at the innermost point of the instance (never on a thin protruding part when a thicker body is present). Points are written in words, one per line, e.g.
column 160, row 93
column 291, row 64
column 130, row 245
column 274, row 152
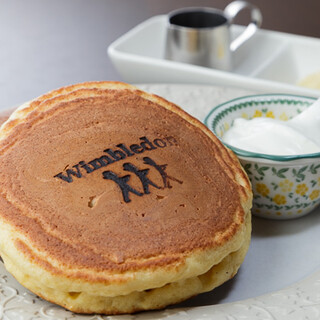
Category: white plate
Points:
column 280, row 278
column 270, row 61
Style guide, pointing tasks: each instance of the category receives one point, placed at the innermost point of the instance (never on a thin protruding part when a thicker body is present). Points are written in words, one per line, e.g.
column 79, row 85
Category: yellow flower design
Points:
column 244, row 115
column 279, row 199
column 314, row 194
column 262, row 189
column 283, row 116
column 301, row 189
column 319, row 181
column 226, row 126
column 286, row 185
column 257, row 114
column 270, row 114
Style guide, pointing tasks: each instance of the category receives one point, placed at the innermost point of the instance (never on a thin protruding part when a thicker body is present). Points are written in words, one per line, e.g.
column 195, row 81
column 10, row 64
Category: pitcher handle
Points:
column 231, row 12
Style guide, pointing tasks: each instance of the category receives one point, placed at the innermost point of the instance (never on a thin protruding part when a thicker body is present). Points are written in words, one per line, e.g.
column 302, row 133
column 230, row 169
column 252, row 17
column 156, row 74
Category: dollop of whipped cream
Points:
column 300, row 135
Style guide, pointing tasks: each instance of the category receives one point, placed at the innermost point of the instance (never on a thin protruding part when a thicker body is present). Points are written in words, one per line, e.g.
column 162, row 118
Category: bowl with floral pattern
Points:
column 284, row 187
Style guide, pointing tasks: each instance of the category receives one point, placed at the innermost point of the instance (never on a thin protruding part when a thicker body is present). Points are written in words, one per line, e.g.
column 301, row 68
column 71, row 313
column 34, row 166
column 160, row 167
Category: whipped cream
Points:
column 300, row 135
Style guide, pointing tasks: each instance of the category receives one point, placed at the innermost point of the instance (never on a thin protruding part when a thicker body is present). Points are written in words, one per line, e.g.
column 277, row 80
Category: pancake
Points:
column 114, row 200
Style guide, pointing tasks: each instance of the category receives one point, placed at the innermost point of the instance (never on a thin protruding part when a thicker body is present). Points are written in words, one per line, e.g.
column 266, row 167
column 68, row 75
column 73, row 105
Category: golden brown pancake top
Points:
column 110, row 180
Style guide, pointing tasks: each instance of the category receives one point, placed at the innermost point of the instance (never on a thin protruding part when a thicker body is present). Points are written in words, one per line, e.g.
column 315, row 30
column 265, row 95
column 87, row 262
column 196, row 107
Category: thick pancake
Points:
column 107, row 191
column 156, row 298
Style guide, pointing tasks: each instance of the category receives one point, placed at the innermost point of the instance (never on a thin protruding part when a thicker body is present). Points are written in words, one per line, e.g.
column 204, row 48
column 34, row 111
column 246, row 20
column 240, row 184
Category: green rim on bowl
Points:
column 220, row 111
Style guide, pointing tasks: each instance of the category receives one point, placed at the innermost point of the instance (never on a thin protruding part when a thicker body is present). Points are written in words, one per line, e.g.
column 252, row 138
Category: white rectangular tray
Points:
column 269, row 62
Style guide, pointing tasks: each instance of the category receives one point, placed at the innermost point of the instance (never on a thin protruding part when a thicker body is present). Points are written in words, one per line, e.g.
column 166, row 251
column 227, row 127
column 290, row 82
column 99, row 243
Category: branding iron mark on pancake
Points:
column 116, row 155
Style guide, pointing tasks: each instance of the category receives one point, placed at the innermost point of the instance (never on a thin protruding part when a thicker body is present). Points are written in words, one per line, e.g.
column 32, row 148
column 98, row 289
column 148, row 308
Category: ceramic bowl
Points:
column 284, row 187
